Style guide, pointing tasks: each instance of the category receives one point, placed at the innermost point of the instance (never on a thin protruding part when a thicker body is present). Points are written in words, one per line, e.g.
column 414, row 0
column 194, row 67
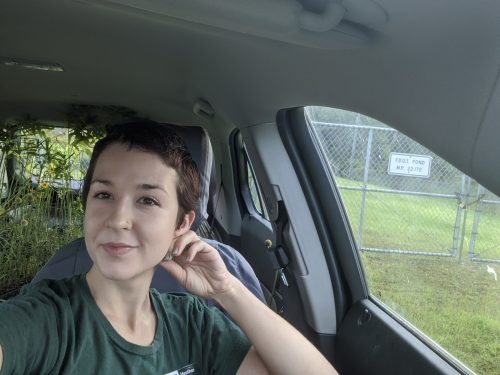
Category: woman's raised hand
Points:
column 197, row 266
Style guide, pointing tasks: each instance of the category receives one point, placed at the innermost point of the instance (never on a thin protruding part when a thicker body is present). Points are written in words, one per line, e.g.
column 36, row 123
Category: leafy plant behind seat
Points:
column 41, row 168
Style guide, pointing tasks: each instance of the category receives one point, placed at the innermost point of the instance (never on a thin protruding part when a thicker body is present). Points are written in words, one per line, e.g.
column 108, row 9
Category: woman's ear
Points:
column 186, row 223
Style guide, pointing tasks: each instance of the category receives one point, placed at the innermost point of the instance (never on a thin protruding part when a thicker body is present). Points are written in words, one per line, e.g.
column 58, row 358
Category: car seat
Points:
column 73, row 259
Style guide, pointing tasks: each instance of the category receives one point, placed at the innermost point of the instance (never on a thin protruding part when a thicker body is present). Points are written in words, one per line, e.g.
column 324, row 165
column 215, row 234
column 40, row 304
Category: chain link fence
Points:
column 403, row 198
column 485, row 236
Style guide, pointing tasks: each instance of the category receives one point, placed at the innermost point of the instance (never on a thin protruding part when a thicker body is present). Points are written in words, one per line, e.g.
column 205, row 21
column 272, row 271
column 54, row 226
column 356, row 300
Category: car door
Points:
column 329, row 295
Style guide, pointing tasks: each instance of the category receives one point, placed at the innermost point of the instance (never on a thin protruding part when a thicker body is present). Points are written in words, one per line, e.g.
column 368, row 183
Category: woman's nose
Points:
column 121, row 215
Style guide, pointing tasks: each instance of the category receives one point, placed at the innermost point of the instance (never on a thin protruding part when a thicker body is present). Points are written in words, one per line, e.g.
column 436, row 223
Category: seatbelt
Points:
column 278, row 255
column 215, row 235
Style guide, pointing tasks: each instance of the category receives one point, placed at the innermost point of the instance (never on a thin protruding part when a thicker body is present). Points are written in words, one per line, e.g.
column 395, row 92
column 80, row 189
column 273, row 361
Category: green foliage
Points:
column 40, row 210
column 13, row 130
column 34, row 222
column 89, row 122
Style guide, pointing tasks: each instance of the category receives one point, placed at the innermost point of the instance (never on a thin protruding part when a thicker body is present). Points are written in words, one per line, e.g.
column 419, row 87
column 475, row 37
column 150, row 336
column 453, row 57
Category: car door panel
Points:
column 369, row 341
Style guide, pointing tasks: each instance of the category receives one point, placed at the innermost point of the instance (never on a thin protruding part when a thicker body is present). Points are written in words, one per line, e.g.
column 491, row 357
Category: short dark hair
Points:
column 158, row 139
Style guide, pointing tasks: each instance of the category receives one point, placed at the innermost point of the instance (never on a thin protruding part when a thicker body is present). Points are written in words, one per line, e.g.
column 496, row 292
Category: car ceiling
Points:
column 427, row 68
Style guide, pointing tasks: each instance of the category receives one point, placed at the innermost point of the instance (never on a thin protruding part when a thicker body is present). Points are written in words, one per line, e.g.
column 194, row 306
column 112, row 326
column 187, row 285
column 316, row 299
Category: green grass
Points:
column 452, row 300
column 418, row 223
column 456, row 304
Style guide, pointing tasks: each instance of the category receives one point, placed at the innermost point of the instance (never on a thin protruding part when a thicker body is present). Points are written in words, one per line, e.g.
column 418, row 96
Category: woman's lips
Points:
column 117, row 249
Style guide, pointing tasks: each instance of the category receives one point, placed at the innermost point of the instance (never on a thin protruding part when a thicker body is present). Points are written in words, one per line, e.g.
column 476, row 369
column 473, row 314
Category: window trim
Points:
column 241, row 165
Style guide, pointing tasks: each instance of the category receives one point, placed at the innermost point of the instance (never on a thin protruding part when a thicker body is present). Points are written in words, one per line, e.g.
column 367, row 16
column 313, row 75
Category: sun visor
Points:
column 341, row 24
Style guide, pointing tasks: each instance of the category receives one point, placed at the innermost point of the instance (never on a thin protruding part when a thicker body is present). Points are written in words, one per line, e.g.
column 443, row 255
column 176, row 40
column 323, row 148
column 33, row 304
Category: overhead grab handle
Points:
column 203, row 109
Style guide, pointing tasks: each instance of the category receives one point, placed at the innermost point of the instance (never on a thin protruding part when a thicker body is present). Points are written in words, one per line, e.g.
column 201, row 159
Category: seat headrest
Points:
column 198, row 143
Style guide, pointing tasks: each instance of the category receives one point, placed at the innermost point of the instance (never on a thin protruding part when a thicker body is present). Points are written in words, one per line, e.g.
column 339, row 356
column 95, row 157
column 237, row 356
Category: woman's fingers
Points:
column 192, row 249
column 186, row 246
column 197, row 266
column 182, row 242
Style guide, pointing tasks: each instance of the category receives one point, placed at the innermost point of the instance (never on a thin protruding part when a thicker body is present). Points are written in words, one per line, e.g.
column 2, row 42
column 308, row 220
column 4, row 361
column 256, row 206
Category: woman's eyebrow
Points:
column 144, row 186
column 151, row 187
column 99, row 181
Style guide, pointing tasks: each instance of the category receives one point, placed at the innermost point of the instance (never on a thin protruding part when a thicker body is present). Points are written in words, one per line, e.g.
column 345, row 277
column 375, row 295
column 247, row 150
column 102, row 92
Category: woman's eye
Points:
column 102, row 195
column 148, row 201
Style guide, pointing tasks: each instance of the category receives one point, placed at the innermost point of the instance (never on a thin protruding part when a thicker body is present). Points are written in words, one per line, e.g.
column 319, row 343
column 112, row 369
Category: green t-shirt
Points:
column 55, row 327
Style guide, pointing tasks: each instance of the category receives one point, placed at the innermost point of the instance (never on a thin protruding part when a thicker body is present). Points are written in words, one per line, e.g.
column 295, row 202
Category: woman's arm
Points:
column 278, row 348
column 281, row 347
column 1, row 358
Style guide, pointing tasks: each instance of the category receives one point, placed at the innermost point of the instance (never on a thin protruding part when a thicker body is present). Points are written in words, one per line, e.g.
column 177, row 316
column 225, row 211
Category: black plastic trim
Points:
column 371, row 341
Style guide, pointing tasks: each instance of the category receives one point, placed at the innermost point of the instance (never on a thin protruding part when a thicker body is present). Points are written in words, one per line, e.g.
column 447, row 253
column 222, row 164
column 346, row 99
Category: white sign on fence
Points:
column 409, row 165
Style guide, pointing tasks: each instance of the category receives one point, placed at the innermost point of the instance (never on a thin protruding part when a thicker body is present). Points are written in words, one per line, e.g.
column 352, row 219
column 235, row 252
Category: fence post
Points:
column 354, row 143
column 365, row 185
column 456, row 230
column 353, row 150
column 458, row 219
column 465, row 193
column 475, row 223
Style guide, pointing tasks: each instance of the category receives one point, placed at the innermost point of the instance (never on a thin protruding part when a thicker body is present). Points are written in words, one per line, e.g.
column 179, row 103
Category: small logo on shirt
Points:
column 186, row 370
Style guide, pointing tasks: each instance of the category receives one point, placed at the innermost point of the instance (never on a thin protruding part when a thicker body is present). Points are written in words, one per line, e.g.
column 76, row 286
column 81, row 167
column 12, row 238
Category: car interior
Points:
column 237, row 79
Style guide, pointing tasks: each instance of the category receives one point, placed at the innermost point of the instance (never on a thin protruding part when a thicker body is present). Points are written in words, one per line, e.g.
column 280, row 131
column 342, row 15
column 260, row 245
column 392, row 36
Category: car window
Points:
column 249, row 187
column 427, row 234
column 255, row 192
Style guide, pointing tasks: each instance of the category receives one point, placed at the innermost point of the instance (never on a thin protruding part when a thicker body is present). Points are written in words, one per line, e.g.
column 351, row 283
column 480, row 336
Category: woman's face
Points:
column 131, row 212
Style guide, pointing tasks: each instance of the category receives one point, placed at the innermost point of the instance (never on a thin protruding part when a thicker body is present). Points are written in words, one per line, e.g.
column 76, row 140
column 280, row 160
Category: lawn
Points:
column 453, row 300
column 422, row 223
column 455, row 303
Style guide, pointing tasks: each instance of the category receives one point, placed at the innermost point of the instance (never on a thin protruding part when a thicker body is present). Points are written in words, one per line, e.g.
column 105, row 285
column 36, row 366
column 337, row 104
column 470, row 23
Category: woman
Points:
column 139, row 196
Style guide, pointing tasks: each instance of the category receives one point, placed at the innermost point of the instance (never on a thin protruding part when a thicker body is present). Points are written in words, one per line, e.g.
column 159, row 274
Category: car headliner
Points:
column 427, row 68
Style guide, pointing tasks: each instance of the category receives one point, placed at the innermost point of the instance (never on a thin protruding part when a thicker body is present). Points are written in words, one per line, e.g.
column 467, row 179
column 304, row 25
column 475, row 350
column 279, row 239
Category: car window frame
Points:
column 312, row 168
